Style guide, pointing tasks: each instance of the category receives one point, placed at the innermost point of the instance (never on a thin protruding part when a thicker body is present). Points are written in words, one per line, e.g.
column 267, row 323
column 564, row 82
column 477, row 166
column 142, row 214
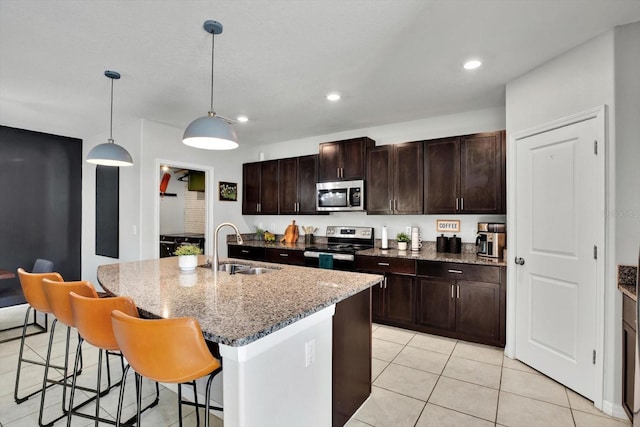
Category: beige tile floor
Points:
column 423, row 381
column 419, row 380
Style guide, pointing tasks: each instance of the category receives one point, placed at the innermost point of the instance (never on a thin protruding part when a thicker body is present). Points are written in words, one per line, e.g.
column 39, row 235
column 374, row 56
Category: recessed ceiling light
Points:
column 242, row 119
column 334, row 96
column 472, row 65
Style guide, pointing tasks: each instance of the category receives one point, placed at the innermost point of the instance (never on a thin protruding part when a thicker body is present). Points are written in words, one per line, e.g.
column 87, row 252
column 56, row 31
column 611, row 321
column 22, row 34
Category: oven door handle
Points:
column 337, row 257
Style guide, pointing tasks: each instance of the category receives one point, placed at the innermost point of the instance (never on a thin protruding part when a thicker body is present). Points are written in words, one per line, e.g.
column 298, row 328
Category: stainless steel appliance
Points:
column 492, row 237
column 342, row 244
column 340, row 196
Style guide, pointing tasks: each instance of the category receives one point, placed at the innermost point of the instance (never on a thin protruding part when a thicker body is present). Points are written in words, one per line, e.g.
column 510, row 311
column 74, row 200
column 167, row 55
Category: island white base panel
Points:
column 268, row 383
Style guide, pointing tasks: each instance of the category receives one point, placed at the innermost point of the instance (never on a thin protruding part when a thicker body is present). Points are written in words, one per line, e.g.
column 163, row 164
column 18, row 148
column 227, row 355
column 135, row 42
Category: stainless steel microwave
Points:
column 340, row 196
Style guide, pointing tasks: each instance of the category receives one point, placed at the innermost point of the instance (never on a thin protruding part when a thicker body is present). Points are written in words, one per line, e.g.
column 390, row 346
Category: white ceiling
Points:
column 392, row 60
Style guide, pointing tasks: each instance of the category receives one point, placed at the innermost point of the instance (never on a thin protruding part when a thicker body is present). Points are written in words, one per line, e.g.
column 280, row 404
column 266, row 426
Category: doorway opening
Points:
column 183, row 206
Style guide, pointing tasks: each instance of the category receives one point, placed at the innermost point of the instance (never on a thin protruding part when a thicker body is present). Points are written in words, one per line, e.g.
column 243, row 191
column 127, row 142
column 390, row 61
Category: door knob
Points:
column 519, row 261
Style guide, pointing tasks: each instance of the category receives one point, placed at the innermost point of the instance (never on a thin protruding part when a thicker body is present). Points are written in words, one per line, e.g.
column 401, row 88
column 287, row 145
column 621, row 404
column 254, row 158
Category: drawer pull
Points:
column 456, row 271
column 244, row 251
column 284, row 254
column 384, row 264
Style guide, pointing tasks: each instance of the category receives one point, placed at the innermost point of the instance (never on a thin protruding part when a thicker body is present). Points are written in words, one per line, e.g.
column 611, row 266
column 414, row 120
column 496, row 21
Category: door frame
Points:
column 599, row 115
column 208, row 195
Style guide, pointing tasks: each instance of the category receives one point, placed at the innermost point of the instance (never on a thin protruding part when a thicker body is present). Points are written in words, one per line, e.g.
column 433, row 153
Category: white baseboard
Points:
column 614, row 410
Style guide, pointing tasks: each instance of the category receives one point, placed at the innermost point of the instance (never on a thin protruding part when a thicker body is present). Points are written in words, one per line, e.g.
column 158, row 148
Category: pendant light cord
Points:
column 213, row 41
column 111, row 115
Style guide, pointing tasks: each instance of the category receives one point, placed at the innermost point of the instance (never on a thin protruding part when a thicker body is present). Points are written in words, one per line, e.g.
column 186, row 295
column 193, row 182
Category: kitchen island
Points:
column 274, row 330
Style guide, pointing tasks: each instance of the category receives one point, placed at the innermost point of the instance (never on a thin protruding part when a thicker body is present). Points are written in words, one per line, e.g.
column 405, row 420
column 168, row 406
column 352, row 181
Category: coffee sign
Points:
column 448, row 225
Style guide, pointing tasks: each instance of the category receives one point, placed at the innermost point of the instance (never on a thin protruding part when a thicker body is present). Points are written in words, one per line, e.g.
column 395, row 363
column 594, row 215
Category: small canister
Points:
column 442, row 244
column 455, row 245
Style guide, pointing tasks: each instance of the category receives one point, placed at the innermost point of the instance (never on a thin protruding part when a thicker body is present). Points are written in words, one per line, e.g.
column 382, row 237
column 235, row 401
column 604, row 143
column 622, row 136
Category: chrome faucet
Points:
column 215, row 243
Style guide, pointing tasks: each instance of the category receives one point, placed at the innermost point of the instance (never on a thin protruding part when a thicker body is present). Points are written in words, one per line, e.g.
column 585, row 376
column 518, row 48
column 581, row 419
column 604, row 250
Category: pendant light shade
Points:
column 211, row 132
column 110, row 153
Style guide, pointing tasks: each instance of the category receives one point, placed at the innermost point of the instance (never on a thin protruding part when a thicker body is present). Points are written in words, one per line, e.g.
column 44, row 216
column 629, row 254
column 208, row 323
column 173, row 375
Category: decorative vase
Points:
column 402, row 246
column 187, row 262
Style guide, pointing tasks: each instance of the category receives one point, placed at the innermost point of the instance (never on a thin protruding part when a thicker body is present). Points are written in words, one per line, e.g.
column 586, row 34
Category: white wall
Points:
column 128, row 137
column 435, row 127
column 578, row 80
column 627, row 155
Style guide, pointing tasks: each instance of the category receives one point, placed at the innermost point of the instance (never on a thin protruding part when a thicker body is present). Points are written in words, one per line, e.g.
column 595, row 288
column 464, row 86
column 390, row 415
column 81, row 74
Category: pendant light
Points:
column 211, row 132
column 110, row 153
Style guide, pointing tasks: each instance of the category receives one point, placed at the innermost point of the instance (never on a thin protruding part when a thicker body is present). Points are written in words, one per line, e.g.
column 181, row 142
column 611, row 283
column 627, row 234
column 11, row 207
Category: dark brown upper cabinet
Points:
column 297, row 177
column 343, row 160
column 394, row 179
column 465, row 174
column 260, row 188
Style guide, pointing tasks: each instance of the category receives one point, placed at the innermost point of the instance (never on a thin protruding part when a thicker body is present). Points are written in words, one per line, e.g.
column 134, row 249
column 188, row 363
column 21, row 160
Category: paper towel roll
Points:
column 385, row 238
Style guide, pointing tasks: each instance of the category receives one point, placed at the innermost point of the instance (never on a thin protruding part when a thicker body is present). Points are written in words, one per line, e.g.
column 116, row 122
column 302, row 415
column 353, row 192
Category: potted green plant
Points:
column 403, row 239
column 188, row 257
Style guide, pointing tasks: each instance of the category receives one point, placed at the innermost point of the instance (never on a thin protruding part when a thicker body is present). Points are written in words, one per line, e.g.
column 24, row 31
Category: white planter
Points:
column 402, row 246
column 187, row 262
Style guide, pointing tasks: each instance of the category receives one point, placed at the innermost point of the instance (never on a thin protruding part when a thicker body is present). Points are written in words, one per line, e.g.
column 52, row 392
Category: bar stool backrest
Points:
column 57, row 294
column 92, row 317
column 164, row 350
column 42, row 266
column 31, row 284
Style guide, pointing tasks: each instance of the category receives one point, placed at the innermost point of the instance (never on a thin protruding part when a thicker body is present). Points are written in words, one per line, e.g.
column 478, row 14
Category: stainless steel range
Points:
column 342, row 244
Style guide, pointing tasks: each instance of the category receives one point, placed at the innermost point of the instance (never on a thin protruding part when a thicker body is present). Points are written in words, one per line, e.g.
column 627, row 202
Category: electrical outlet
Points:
column 407, row 231
column 310, row 353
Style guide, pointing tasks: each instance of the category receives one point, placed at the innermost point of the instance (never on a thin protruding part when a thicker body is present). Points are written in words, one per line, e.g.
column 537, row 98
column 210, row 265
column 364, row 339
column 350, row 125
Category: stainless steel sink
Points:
column 255, row 270
column 233, row 268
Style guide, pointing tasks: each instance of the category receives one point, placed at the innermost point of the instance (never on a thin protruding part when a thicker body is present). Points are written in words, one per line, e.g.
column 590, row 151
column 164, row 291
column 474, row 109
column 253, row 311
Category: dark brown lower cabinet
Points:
column 351, row 356
column 393, row 301
column 462, row 301
column 628, row 353
column 465, row 308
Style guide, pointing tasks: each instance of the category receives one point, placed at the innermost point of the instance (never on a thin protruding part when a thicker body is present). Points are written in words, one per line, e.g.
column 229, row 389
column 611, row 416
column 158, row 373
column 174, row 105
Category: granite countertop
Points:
column 627, row 280
column 298, row 246
column 427, row 253
column 231, row 309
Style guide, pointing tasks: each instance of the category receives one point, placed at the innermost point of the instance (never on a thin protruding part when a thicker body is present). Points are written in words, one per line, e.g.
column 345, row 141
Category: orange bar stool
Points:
column 57, row 294
column 92, row 318
column 165, row 350
column 31, row 284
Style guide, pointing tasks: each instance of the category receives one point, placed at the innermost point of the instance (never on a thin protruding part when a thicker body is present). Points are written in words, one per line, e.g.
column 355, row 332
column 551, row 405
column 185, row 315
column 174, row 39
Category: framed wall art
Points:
column 228, row 191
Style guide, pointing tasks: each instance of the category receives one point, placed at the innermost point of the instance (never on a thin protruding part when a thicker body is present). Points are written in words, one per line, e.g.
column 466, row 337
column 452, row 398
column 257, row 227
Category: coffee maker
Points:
column 491, row 239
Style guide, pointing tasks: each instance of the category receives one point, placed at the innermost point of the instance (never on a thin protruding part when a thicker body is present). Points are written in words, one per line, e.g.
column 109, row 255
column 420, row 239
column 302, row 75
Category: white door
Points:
column 557, row 222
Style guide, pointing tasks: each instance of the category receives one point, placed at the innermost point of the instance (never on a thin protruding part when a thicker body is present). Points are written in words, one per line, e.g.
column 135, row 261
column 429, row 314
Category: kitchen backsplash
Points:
column 395, row 223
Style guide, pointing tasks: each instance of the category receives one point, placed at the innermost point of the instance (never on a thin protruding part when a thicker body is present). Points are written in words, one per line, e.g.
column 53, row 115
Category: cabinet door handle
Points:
column 452, row 286
column 384, row 264
column 456, row 271
column 457, row 203
column 395, row 204
column 458, row 291
column 284, row 254
column 341, row 172
column 385, row 283
column 461, row 203
column 390, row 205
